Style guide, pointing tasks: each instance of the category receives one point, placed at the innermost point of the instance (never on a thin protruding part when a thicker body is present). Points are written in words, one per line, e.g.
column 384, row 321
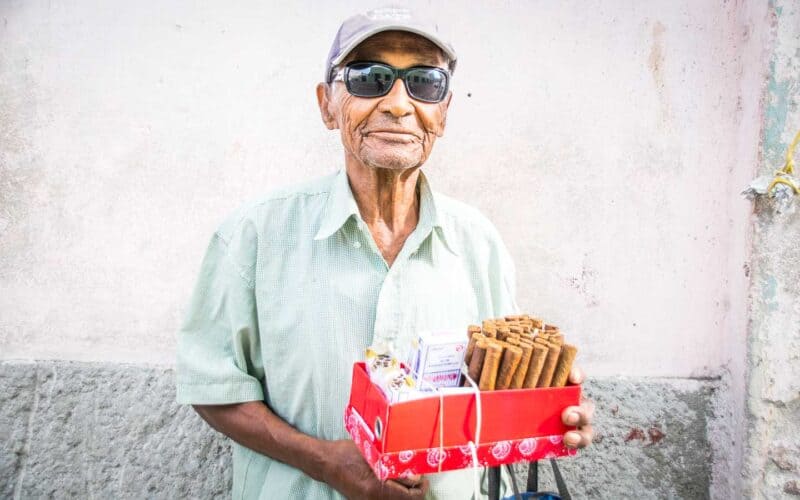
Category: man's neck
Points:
column 388, row 203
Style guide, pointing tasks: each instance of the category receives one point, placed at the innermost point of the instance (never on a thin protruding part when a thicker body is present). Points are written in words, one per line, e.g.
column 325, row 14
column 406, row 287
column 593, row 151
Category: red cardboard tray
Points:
column 399, row 439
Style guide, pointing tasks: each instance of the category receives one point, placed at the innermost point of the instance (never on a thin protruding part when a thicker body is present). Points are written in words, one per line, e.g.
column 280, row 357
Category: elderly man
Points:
column 294, row 287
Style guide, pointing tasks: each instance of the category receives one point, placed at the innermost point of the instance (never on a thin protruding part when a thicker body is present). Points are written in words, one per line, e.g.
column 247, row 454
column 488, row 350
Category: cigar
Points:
column 519, row 376
column 538, row 357
column 513, row 318
column 551, row 328
column 491, row 364
column 511, row 358
column 502, row 332
column 472, row 329
column 505, row 343
column 489, row 330
column 512, row 340
column 557, row 338
column 549, row 366
column 476, row 361
column 537, row 323
column 471, row 346
column 516, row 329
column 564, row 365
column 541, row 340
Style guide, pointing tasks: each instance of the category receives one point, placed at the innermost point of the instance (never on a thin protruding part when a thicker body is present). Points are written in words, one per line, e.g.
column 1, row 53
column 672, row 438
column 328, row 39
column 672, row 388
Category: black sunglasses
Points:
column 374, row 79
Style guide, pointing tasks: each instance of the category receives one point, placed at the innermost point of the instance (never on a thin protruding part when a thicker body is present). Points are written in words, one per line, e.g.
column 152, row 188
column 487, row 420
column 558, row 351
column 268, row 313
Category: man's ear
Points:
column 324, row 101
column 445, row 106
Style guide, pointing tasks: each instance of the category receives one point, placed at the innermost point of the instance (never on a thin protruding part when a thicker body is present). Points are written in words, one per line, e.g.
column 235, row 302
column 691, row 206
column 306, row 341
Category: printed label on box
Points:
column 445, row 356
column 436, row 359
column 441, row 379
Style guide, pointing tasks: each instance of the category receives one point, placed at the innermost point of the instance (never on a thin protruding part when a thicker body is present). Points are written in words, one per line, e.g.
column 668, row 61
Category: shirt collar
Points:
column 341, row 205
column 429, row 215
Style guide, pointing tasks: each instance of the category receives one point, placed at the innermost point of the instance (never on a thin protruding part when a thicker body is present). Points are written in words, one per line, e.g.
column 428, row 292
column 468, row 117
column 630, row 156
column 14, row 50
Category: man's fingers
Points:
column 394, row 488
column 578, row 415
column 576, row 375
column 580, row 438
column 572, row 415
column 572, row 439
column 391, row 489
column 587, row 408
column 421, row 489
column 409, row 481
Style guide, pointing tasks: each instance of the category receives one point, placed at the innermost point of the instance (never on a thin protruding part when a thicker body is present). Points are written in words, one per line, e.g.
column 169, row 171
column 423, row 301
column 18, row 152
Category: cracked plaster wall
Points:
column 99, row 430
column 772, row 455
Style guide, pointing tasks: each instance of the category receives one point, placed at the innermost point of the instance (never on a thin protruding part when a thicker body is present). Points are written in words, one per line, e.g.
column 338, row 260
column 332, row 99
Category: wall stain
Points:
column 585, row 284
column 656, row 62
column 635, row 433
column 656, row 434
column 20, row 162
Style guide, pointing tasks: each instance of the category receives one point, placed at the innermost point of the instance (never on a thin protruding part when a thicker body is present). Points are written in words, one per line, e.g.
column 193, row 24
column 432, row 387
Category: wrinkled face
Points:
column 393, row 131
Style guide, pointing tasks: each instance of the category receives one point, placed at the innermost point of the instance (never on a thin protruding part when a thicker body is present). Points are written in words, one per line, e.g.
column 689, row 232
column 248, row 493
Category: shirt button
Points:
column 357, row 244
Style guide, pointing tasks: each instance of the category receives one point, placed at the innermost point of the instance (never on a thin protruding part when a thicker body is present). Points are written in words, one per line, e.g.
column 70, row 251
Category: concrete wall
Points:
column 99, row 430
column 608, row 143
column 772, row 465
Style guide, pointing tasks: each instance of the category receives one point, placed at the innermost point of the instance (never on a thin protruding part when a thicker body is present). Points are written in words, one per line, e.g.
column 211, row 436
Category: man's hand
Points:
column 348, row 473
column 580, row 416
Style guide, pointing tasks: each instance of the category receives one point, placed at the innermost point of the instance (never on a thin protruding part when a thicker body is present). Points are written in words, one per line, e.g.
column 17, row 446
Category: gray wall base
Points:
column 84, row 430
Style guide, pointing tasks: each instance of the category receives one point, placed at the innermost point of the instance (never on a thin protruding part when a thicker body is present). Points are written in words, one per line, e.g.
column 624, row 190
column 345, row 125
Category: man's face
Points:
column 393, row 131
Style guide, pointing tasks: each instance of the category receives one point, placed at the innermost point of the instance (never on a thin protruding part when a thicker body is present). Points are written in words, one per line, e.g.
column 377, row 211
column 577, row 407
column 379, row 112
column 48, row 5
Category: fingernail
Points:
column 571, row 440
column 573, row 418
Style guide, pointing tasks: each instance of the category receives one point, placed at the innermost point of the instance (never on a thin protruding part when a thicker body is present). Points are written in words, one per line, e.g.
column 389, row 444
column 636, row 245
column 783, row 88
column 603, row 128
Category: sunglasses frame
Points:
column 342, row 74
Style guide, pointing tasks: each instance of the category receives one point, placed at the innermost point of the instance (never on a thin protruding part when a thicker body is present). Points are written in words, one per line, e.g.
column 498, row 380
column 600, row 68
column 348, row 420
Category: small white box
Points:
column 436, row 358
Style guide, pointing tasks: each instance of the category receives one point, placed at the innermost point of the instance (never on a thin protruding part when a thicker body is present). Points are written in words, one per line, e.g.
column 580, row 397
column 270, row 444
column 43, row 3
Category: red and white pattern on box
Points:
column 426, row 461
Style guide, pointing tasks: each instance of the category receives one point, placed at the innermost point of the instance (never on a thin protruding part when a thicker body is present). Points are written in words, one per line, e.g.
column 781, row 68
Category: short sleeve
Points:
column 219, row 356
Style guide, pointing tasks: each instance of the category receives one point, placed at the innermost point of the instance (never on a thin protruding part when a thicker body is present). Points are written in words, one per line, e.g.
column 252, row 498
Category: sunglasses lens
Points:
column 427, row 84
column 369, row 80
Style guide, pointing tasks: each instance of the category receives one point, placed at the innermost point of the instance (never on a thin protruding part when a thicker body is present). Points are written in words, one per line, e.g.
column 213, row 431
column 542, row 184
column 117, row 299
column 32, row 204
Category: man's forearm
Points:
column 255, row 426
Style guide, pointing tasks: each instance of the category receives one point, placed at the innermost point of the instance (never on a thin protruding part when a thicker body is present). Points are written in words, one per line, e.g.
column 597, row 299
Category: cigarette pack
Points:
column 433, row 434
column 436, row 359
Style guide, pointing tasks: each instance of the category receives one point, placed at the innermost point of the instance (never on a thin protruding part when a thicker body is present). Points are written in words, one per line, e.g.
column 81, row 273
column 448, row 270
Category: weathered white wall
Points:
column 604, row 139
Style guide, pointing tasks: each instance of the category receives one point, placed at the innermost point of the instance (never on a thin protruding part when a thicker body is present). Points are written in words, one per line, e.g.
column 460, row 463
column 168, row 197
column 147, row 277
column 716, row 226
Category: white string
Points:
column 440, row 457
column 473, row 446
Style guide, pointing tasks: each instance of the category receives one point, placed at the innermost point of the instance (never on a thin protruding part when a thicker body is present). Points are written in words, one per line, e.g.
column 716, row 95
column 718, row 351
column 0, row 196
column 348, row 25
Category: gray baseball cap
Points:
column 358, row 28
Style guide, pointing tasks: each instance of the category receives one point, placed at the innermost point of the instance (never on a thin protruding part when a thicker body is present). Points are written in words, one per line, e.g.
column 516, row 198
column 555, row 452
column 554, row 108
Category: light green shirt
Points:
column 293, row 289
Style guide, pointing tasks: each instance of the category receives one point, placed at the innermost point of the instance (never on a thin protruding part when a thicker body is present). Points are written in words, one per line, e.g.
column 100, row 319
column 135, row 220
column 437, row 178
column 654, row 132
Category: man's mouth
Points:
column 394, row 135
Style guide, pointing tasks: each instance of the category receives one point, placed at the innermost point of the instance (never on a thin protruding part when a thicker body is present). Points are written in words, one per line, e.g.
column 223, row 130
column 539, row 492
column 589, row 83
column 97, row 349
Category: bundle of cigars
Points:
column 517, row 352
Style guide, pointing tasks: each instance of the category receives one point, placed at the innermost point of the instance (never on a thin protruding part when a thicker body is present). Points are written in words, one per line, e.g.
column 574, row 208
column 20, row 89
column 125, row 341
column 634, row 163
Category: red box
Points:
column 401, row 439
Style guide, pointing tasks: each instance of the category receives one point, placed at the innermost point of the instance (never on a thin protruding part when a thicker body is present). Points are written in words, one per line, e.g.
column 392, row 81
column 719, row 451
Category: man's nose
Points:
column 397, row 101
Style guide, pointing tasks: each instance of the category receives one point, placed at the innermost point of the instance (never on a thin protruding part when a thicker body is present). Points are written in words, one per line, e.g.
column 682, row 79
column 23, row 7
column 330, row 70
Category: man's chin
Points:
column 393, row 163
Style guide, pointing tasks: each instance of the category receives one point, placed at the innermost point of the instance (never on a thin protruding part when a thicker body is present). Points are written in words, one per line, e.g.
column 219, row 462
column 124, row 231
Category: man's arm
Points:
column 337, row 463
